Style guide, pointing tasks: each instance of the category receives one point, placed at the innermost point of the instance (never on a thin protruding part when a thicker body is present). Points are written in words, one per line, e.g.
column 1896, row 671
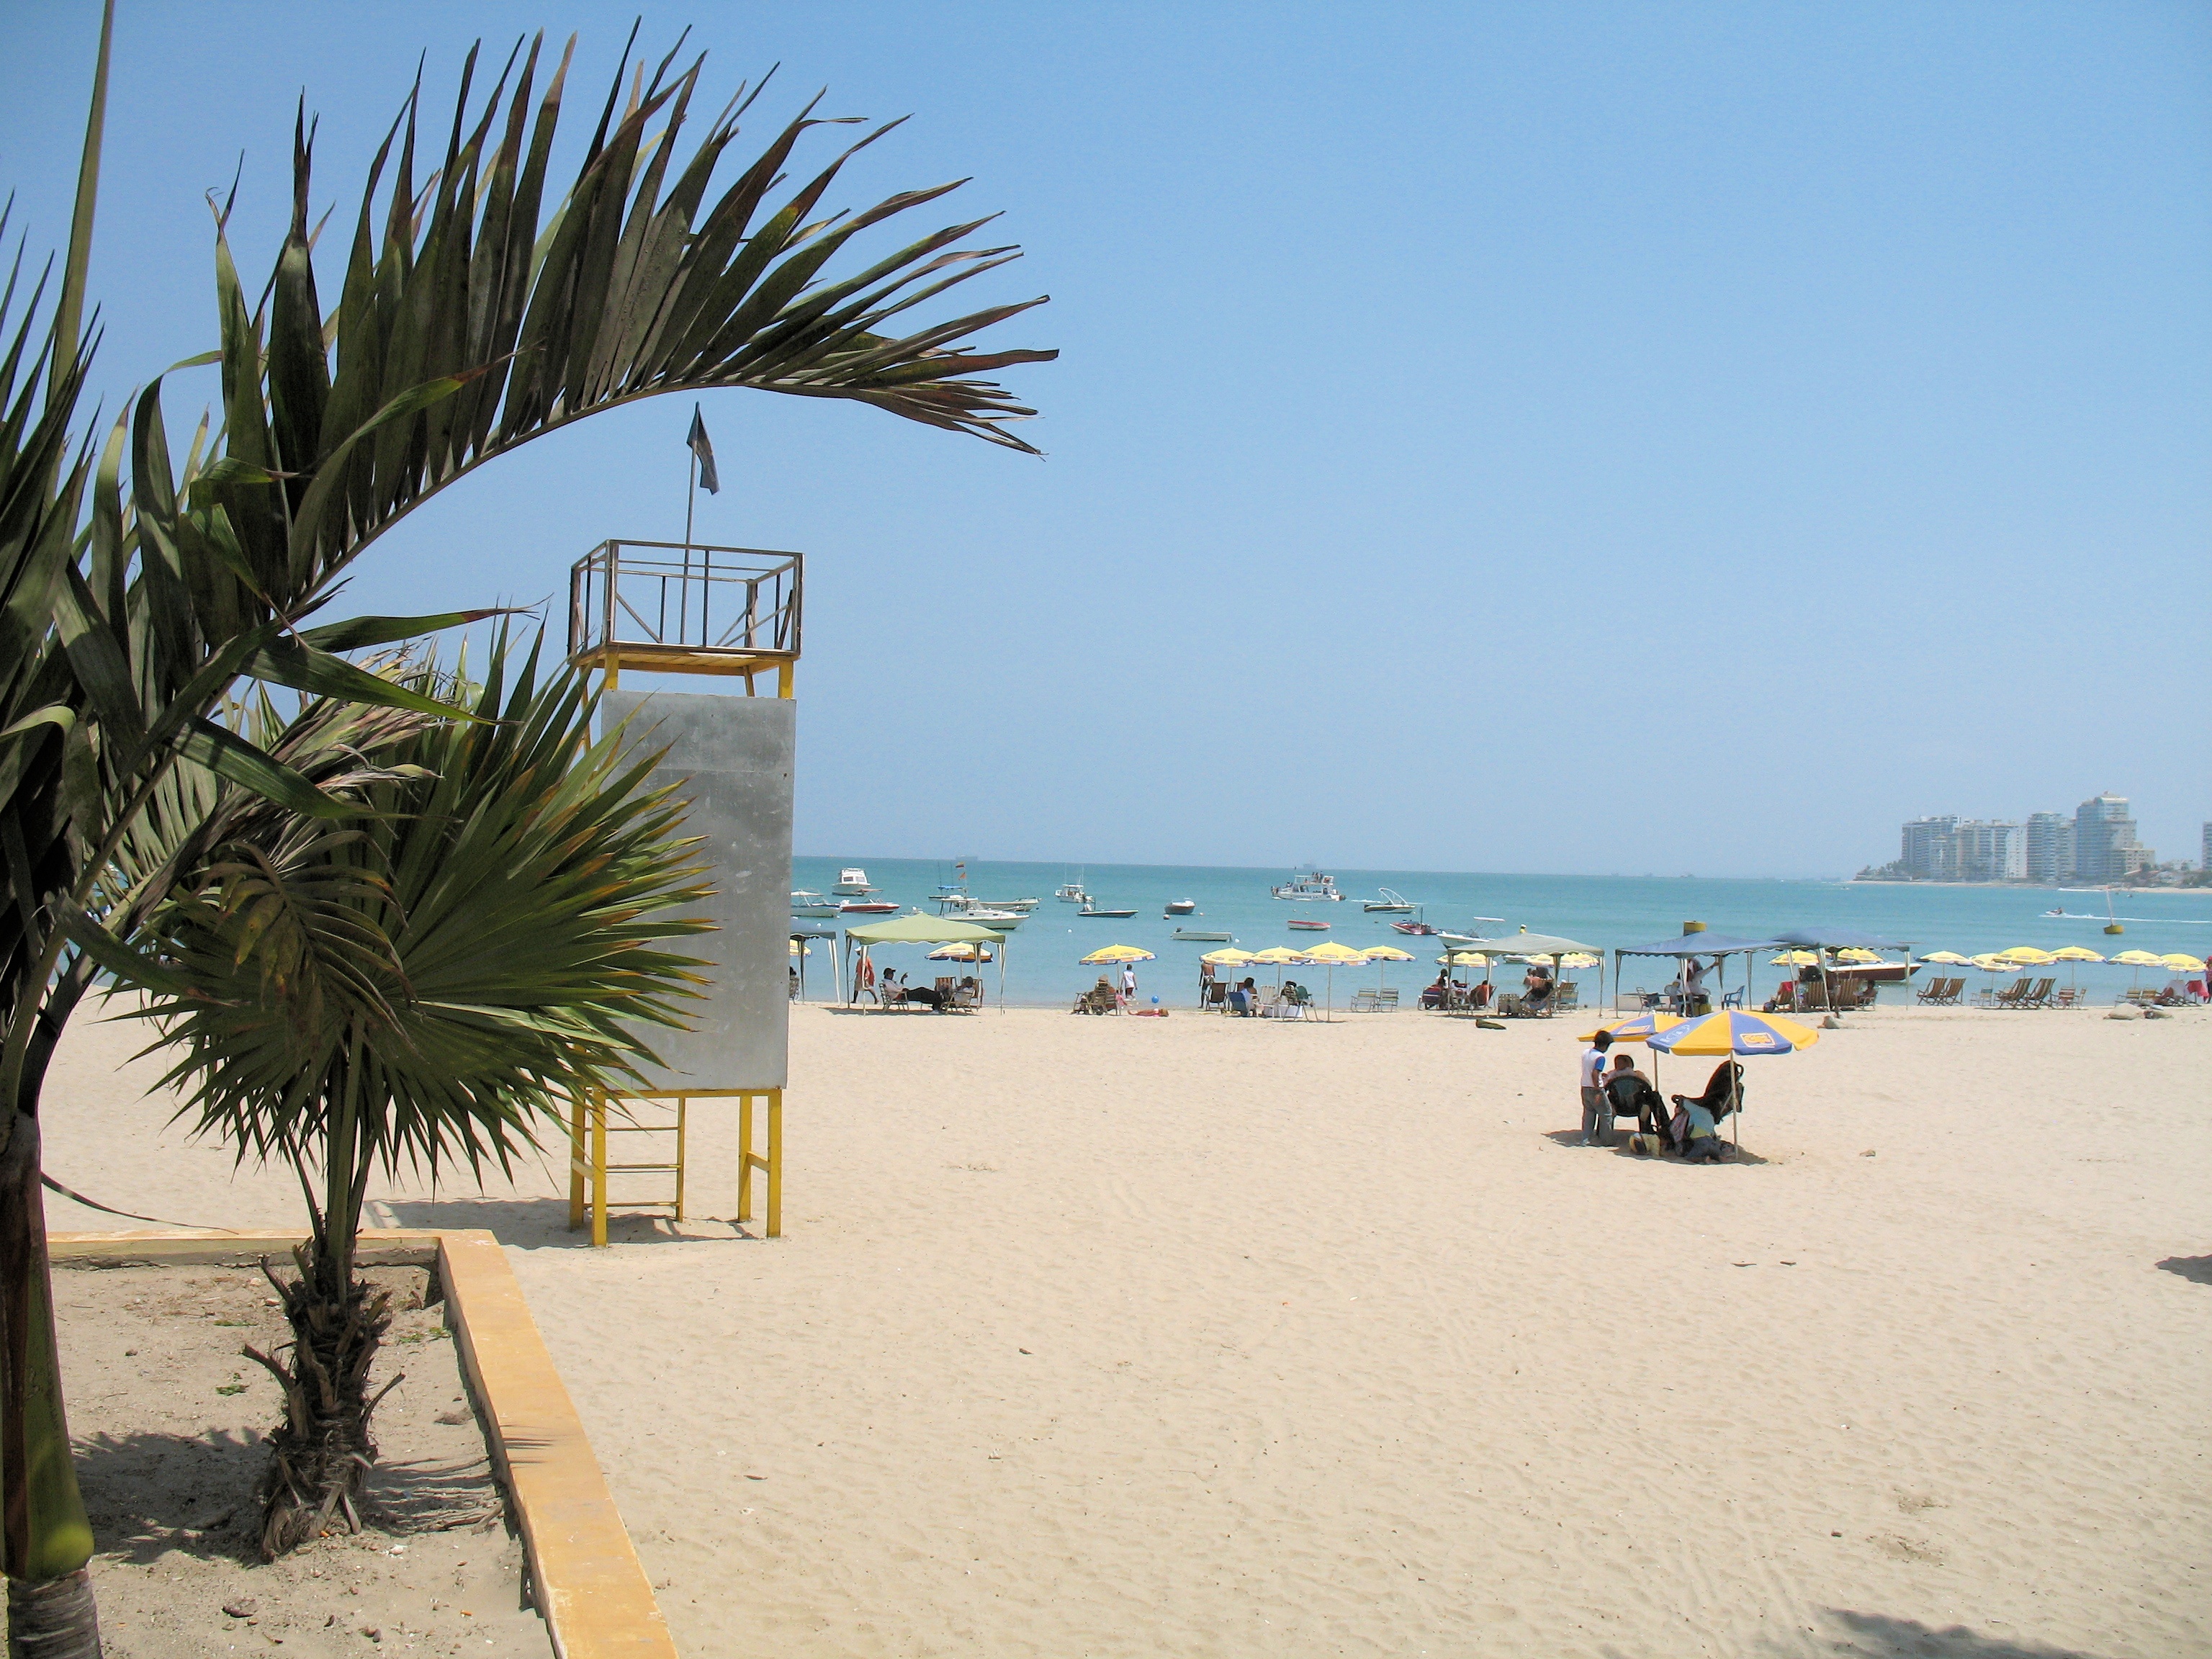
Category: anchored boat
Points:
column 1309, row 926
column 1307, row 884
column 853, row 880
column 1183, row 907
column 1196, row 936
column 1390, row 901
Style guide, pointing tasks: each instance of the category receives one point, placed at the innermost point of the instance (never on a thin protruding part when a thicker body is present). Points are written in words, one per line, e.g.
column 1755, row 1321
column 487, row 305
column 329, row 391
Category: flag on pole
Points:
column 703, row 448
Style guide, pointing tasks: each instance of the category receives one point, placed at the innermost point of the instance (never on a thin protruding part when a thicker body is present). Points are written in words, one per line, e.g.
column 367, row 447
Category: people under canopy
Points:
column 1697, row 957
column 916, row 929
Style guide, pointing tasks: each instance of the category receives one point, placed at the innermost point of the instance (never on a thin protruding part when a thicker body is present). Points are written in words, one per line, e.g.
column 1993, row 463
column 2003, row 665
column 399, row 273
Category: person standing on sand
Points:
column 1128, row 983
column 1593, row 1081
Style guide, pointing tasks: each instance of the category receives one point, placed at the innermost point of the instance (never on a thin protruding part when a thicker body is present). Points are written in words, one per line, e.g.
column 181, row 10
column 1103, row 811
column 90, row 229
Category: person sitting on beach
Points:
column 1631, row 1095
column 1243, row 999
column 1696, row 1128
column 1438, row 995
column 1694, row 999
column 1098, row 1000
column 1296, row 993
column 1479, row 996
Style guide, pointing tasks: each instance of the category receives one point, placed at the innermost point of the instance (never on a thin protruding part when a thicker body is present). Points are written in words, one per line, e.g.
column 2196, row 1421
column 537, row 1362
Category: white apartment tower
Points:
column 2050, row 854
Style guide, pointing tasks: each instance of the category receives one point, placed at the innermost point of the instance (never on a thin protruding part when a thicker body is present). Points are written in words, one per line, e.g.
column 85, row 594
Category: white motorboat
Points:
column 803, row 903
column 1183, row 907
column 1070, row 892
column 983, row 915
column 853, row 881
column 1307, row 884
column 1020, row 906
column 1390, row 902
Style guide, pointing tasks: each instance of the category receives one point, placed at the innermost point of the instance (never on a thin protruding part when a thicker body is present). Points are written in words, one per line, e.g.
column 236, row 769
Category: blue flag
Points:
column 704, row 449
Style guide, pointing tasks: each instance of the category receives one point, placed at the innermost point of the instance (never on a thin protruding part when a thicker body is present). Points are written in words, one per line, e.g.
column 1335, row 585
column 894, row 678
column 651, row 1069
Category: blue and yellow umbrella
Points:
column 1732, row 1032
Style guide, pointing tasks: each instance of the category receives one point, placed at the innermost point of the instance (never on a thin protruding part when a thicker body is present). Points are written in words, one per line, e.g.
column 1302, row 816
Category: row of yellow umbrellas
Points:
column 2026, row 956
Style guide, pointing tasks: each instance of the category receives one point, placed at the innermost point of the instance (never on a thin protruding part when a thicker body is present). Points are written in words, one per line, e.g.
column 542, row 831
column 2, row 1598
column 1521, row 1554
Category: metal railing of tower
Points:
column 668, row 607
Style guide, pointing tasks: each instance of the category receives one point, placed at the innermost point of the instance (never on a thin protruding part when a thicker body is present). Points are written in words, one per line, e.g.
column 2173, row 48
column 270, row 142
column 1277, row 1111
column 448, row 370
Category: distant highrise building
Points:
column 2105, row 846
column 1993, row 849
column 1930, row 851
column 2204, row 862
column 2050, row 847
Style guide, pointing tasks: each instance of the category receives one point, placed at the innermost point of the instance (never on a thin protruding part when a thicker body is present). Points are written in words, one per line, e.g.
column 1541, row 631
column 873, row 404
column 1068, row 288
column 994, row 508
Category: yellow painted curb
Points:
column 584, row 1572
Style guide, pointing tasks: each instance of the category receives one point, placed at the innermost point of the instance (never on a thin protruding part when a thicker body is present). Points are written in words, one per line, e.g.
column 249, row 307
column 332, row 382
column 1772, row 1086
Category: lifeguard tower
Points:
column 669, row 608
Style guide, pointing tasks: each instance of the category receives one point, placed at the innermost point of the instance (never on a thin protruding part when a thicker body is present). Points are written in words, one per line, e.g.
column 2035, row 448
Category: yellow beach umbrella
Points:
column 2075, row 953
column 1330, row 956
column 1383, row 956
column 1334, row 953
column 1464, row 959
column 2138, row 959
column 1232, row 957
column 2028, row 956
column 962, row 951
column 1857, row 953
column 1795, row 959
column 2182, row 962
column 1113, row 953
column 1276, row 955
column 1952, row 959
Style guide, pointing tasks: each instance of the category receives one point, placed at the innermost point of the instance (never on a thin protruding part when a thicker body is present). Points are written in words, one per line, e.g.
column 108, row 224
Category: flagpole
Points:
column 684, row 594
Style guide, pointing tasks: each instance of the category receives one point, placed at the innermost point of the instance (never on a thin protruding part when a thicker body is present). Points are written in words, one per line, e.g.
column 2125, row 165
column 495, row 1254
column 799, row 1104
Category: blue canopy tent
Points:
column 1826, row 941
column 1719, row 946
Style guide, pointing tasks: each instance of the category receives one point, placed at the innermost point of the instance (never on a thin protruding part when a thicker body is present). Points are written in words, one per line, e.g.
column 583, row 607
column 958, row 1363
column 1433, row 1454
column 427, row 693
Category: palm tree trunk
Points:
column 48, row 1540
column 321, row 1451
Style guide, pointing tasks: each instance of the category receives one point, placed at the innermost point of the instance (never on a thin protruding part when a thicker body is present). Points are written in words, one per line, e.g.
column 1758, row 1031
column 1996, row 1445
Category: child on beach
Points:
column 1593, row 1081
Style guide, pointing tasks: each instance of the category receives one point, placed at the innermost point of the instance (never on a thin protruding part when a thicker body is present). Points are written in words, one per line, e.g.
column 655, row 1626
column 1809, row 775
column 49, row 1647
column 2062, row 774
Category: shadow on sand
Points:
column 542, row 1224
column 150, row 1493
column 1572, row 1139
column 2197, row 1269
column 1878, row 1636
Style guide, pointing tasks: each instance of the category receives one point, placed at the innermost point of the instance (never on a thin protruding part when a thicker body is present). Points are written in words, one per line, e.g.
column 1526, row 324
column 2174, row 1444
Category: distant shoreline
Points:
column 2027, row 886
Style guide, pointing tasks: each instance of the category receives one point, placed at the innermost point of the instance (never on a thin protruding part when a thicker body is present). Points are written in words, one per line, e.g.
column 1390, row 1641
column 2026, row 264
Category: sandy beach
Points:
column 1203, row 1336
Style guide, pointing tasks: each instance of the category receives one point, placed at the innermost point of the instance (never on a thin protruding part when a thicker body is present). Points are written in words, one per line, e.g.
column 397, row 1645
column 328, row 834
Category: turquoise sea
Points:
column 1608, row 911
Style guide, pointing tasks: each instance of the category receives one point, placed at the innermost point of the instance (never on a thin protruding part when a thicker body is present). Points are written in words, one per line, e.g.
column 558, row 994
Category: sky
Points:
column 1590, row 438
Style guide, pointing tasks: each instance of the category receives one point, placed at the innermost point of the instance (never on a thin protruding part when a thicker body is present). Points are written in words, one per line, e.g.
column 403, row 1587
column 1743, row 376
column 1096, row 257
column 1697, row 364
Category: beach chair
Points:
column 1386, row 999
column 1215, row 996
column 1933, row 993
column 1732, row 998
column 1364, row 1001
column 1568, row 997
column 2013, row 996
column 2041, row 996
column 1626, row 1097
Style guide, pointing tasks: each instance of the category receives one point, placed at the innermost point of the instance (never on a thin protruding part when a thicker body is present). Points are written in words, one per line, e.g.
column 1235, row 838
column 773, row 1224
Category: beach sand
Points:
column 1203, row 1336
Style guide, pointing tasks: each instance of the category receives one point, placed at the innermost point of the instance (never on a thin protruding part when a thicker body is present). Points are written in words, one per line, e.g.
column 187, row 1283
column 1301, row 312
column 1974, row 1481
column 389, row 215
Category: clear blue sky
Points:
column 1576, row 438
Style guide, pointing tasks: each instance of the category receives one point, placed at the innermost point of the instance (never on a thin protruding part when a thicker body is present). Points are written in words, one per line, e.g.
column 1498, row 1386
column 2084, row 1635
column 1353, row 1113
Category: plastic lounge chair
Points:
column 1630, row 1097
column 1386, row 999
column 1364, row 1002
column 1568, row 996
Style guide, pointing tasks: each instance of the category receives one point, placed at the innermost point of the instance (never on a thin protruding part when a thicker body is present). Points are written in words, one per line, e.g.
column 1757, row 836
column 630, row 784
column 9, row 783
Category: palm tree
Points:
column 469, row 321
column 425, row 982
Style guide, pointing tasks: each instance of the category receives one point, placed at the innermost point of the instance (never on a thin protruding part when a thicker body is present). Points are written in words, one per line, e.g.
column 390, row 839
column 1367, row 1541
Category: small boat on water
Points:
column 1412, row 927
column 995, row 917
column 803, row 903
column 866, row 907
column 1183, row 907
column 853, row 880
column 1199, row 936
column 1070, row 892
column 1307, row 884
column 1390, row 902
column 1093, row 910
column 1309, row 926
column 1020, row 906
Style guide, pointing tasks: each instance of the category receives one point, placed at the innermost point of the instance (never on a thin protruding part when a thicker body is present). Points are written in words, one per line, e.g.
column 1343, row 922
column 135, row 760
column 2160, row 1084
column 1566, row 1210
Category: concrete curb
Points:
column 584, row 1572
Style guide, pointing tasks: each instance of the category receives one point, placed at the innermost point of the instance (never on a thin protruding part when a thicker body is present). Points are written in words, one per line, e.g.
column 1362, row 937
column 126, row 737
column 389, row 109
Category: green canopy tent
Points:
column 918, row 929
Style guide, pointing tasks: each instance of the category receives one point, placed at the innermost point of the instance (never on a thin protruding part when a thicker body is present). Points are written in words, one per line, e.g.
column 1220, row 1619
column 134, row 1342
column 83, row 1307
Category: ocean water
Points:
column 1608, row 911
